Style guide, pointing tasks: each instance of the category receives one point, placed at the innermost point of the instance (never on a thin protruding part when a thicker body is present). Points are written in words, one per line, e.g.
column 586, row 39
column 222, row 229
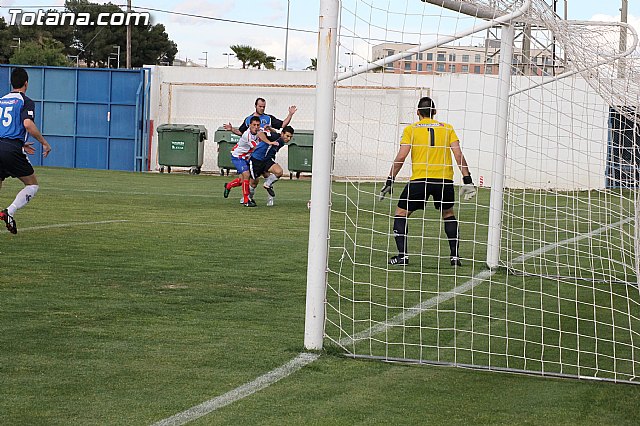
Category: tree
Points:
column 262, row 59
column 244, row 53
column 150, row 44
column 6, row 40
column 252, row 57
column 46, row 52
column 152, row 47
column 314, row 64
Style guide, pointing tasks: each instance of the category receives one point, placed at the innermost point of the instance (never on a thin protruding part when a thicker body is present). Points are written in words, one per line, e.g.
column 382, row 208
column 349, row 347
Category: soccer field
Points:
column 128, row 298
column 570, row 308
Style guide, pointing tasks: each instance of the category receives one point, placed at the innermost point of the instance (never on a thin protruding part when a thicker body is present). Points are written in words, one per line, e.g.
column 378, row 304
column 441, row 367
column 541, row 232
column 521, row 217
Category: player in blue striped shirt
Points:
column 17, row 114
column 263, row 163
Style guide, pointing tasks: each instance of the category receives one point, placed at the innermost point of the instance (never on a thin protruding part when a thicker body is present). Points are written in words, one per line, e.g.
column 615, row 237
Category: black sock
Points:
column 400, row 234
column 451, row 229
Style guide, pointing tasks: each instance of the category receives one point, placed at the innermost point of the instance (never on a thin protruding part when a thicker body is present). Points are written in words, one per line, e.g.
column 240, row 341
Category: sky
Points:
column 222, row 23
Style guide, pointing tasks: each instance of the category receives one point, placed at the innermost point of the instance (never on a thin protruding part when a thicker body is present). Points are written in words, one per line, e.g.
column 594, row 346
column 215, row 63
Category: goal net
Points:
column 546, row 111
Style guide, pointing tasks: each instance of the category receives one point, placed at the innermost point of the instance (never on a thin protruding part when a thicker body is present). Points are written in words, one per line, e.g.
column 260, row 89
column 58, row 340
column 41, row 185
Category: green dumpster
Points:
column 181, row 145
column 300, row 152
column 226, row 141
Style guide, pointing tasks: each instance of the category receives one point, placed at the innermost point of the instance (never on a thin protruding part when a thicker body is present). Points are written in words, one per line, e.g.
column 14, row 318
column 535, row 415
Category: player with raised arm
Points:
column 17, row 113
column 267, row 121
column 240, row 155
column 431, row 144
column 263, row 163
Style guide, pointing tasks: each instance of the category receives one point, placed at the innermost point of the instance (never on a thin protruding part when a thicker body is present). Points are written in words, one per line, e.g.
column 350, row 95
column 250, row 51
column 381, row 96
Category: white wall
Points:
column 557, row 136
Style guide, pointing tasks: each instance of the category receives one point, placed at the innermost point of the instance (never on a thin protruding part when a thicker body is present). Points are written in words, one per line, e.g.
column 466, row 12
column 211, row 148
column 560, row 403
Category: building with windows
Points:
column 465, row 59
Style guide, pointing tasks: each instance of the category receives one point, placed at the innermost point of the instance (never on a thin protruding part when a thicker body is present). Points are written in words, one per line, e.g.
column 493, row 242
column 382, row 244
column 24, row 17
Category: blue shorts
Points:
column 241, row 164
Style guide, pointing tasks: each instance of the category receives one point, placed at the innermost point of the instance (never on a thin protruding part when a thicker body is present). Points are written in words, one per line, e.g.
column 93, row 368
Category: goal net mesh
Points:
column 565, row 300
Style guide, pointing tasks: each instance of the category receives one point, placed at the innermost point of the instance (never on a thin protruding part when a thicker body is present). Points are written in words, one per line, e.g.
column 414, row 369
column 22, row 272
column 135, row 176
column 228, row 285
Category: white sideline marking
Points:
column 291, row 367
column 104, row 191
column 550, row 247
column 68, row 225
column 240, row 392
column 103, row 222
column 306, row 358
column 303, row 359
column 418, row 309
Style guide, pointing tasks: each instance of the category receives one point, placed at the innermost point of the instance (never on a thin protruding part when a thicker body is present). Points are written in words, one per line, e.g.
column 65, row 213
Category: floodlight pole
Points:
column 500, row 147
column 117, row 47
column 623, row 37
column 321, row 170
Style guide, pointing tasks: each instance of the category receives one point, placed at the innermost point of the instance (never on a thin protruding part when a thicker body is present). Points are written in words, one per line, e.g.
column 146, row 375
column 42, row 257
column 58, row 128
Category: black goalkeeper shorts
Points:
column 13, row 160
column 417, row 192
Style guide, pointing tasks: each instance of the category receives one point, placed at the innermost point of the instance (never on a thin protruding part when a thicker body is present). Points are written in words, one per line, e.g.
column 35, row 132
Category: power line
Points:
column 212, row 18
column 190, row 15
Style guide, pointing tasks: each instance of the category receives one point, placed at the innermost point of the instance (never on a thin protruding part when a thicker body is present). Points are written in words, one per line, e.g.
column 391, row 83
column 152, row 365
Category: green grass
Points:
column 191, row 296
column 567, row 326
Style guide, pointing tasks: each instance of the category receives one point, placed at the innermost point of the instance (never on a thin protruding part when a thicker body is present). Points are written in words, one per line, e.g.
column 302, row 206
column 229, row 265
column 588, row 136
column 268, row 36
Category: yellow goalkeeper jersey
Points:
column 431, row 156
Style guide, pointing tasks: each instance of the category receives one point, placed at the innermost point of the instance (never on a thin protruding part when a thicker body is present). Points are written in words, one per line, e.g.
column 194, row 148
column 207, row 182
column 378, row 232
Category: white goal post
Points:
column 547, row 112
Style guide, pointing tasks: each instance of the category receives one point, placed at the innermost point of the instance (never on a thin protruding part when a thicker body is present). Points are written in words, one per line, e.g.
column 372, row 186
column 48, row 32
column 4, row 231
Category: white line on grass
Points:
column 418, row 309
column 240, row 392
column 305, row 358
column 106, row 222
column 549, row 247
column 104, row 191
column 68, row 225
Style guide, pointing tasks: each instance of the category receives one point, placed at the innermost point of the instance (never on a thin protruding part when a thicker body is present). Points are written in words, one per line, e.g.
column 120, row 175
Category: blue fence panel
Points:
column 93, row 86
column 123, row 121
column 93, row 118
column 64, row 153
column 59, row 84
column 5, row 75
column 121, row 154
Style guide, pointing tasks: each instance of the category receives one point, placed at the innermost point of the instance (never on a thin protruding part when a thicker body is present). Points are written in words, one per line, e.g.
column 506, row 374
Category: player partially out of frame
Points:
column 431, row 144
column 240, row 155
column 263, row 163
column 17, row 115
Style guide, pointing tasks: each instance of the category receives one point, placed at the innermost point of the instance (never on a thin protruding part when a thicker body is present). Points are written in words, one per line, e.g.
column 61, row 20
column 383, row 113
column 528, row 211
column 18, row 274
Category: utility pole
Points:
column 128, row 35
column 286, row 38
column 623, row 37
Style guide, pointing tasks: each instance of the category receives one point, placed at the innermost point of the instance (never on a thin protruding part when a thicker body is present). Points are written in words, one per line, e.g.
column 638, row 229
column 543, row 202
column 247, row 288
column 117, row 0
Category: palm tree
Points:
column 262, row 59
column 256, row 58
column 269, row 62
column 252, row 57
column 244, row 54
column 314, row 64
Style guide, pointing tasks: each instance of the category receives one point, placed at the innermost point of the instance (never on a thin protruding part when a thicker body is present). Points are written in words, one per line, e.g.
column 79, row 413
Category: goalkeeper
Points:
column 431, row 144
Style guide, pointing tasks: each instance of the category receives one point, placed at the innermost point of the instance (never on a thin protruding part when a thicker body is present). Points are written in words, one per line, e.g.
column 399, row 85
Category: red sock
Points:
column 245, row 190
column 234, row 183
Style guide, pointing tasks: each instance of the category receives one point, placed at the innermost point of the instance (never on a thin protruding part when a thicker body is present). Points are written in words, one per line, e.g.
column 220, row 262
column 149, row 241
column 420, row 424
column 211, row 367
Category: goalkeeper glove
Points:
column 468, row 190
column 386, row 189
